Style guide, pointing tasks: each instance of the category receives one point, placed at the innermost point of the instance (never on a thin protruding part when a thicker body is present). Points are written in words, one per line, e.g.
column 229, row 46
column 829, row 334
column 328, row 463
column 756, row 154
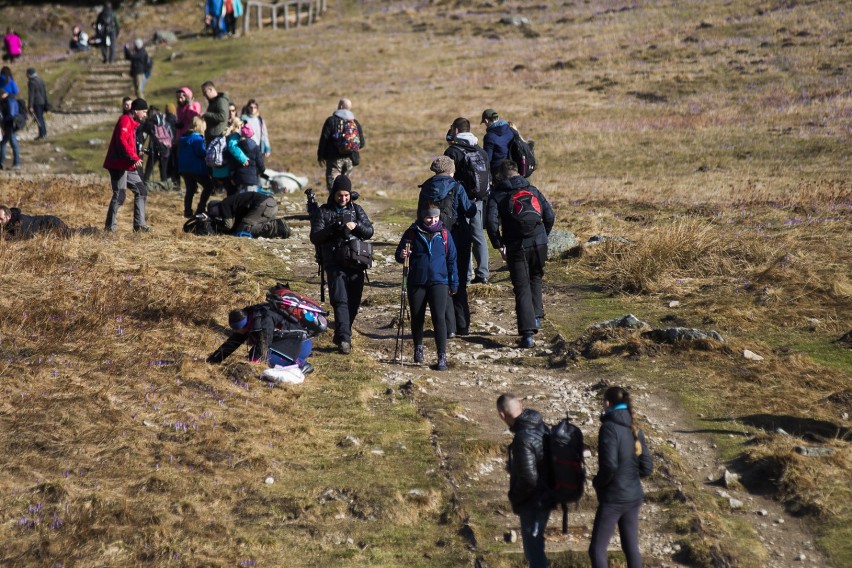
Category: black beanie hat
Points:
column 341, row 183
column 139, row 104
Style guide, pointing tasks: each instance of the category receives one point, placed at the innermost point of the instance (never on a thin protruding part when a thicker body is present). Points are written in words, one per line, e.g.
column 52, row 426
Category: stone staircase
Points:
column 98, row 90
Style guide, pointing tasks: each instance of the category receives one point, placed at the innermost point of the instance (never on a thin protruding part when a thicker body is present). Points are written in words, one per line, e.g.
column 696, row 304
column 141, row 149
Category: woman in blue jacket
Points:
column 623, row 458
column 191, row 165
column 432, row 278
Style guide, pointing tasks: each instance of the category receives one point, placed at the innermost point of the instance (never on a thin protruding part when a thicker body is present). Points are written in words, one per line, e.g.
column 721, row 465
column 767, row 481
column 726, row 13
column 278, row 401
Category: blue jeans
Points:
column 480, row 244
column 533, row 524
column 10, row 136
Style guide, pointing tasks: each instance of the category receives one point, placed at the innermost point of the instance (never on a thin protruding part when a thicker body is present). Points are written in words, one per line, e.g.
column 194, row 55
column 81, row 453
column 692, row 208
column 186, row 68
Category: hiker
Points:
column 16, row 225
column 11, row 46
column 223, row 175
column 529, row 493
column 251, row 116
column 123, row 163
column 333, row 227
column 106, row 31
column 518, row 219
column 473, row 171
column 221, row 16
column 172, row 174
column 246, row 174
column 217, row 114
column 161, row 133
column 498, row 135
column 264, row 327
column 187, row 109
column 37, row 100
column 247, row 214
column 231, row 11
column 191, row 152
column 456, row 212
column 7, row 82
column 340, row 141
column 140, row 65
column 79, row 40
column 9, row 110
column 432, row 278
column 623, row 458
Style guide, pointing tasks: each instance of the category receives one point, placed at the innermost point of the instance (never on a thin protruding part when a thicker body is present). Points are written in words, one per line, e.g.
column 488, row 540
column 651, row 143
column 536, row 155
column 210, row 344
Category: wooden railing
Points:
column 289, row 13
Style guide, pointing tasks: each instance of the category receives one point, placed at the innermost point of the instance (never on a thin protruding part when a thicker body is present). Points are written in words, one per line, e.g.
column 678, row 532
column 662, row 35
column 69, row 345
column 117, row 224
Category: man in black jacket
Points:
column 16, row 225
column 140, row 65
column 518, row 219
column 107, row 30
column 37, row 100
column 529, row 493
column 340, row 141
column 333, row 225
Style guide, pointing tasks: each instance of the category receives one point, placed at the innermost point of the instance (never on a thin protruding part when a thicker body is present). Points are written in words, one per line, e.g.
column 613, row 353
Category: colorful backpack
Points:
column 346, row 137
column 299, row 308
column 215, row 157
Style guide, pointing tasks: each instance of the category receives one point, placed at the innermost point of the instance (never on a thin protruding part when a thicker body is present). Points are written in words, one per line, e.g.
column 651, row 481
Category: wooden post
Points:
column 287, row 16
column 246, row 19
column 274, row 16
column 259, row 16
column 310, row 12
column 298, row 13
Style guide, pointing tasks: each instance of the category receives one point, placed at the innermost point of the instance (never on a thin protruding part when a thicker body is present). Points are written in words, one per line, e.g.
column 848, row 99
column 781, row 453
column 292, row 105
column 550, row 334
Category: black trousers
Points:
column 345, row 287
column 192, row 182
column 526, row 269
column 458, row 309
column 436, row 297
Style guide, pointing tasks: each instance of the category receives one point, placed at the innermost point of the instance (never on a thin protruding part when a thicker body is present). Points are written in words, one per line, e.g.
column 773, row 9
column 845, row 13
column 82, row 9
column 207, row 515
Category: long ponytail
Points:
column 617, row 395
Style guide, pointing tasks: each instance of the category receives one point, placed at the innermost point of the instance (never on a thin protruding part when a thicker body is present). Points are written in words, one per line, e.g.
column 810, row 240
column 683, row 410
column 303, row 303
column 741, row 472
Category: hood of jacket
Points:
column 500, row 128
column 512, row 184
column 436, row 188
column 620, row 416
column 16, row 215
column 528, row 420
column 344, row 114
column 188, row 93
column 466, row 139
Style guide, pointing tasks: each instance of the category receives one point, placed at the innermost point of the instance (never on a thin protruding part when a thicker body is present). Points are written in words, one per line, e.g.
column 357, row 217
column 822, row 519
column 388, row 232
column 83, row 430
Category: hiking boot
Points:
column 142, row 229
column 418, row 353
column 307, row 368
column 479, row 280
column 451, row 335
column 526, row 341
column 188, row 215
column 345, row 348
column 442, row 362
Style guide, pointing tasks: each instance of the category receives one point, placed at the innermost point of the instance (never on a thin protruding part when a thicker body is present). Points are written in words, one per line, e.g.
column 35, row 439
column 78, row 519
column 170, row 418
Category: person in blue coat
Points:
column 7, row 82
column 498, row 135
column 432, row 278
column 457, row 211
column 623, row 459
column 192, row 167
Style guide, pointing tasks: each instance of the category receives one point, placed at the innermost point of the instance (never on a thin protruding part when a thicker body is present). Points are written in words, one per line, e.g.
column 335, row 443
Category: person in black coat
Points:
column 623, row 459
column 330, row 152
column 332, row 227
column 523, row 247
column 16, row 225
column 246, row 176
column 529, row 494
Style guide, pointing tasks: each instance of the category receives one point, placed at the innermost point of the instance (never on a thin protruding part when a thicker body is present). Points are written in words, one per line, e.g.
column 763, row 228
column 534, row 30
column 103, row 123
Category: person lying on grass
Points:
column 16, row 225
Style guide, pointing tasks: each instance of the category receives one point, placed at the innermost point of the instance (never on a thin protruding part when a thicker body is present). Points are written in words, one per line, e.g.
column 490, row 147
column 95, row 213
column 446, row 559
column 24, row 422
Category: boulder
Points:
column 628, row 321
column 559, row 242
column 676, row 334
column 515, row 20
column 164, row 36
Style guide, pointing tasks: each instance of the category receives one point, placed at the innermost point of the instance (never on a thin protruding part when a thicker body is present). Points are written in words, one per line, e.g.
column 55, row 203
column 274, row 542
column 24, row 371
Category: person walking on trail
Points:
column 264, row 327
column 623, row 459
column 340, row 143
column 107, row 30
column 217, row 114
column 518, row 219
column 333, row 226
column 9, row 111
column 498, row 135
column 529, row 493
column 473, row 171
column 140, row 65
column 37, row 100
column 456, row 212
column 16, row 225
column 124, row 163
column 432, row 278
column 191, row 165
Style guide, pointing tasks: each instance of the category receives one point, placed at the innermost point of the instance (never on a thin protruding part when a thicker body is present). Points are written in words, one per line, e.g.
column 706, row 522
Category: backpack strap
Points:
column 445, row 235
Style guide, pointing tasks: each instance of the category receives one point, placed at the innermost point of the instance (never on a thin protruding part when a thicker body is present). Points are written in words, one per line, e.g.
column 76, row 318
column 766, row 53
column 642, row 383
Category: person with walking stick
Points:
column 400, row 322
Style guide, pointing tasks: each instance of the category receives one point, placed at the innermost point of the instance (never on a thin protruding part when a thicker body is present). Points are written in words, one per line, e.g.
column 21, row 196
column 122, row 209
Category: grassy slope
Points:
column 754, row 129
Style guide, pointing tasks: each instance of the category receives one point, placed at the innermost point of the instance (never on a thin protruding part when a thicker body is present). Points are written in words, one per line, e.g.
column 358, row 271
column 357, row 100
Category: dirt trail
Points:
column 487, row 363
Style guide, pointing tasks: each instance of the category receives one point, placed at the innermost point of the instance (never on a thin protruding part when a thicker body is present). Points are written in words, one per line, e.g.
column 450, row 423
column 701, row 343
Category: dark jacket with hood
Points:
column 263, row 321
column 329, row 231
column 528, row 470
column 22, row 226
column 496, row 143
column 620, row 468
column 327, row 148
column 250, row 174
column 433, row 260
column 216, row 116
column 233, row 209
column 465, row 143
column 502, row 227
column 36, row 91
column 438, row 187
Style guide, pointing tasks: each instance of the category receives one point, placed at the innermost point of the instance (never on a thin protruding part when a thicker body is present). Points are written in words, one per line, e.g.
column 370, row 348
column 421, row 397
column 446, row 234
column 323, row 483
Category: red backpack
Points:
column 525, row 209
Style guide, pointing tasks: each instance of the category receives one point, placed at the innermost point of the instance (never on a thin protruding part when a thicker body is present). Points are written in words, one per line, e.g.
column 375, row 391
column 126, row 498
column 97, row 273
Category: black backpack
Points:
column 199, row 226
column 448, row 208
column 522, row 154
column 474, row 172
column 567, row 468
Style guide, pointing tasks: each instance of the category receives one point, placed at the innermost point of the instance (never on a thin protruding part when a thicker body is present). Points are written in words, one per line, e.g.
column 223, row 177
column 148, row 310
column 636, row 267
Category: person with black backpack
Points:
column 340, row 143
column 623, row 459
column 339, row 228
column 456, row 212
column 160, row 131
column 529, row 484
column 518, row 219
column 106, row 32
column 474, row 172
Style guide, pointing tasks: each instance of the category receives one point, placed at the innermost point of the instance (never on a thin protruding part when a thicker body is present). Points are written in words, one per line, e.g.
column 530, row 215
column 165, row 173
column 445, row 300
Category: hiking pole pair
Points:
column 403, row 296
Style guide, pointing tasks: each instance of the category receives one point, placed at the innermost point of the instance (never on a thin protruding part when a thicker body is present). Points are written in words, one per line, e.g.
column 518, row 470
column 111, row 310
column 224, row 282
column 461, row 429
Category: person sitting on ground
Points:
column 274, row 338
column 191, row 164
column 16, row 225
column 248, row 214
column 11, row 46
column 246, row 175
column 79, row 40
column 432, row 278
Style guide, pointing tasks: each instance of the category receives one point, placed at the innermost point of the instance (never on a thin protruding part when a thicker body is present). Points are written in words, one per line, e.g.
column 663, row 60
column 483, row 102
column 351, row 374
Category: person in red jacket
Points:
column 123, row 163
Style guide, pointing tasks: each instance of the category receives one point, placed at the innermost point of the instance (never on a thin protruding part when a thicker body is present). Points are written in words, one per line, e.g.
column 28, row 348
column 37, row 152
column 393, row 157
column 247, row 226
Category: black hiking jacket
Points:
column 502, row 228
column 620, row 468
column 328, row 228
column 22, row 226
column 528, row 469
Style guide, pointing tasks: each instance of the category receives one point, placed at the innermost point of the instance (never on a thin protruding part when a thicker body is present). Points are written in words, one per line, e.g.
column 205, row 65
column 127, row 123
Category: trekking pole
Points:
column 403, row 295
column 313, row 209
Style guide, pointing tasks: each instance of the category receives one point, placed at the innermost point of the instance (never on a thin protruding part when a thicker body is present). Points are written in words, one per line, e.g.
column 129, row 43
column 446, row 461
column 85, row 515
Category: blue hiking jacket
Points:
column 191, row 153
column 496, row 143
column 435, row 189
column 432, row 261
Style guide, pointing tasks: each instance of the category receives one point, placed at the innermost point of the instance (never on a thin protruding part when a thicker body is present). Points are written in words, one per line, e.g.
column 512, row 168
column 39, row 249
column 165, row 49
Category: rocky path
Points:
column 487, row 363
